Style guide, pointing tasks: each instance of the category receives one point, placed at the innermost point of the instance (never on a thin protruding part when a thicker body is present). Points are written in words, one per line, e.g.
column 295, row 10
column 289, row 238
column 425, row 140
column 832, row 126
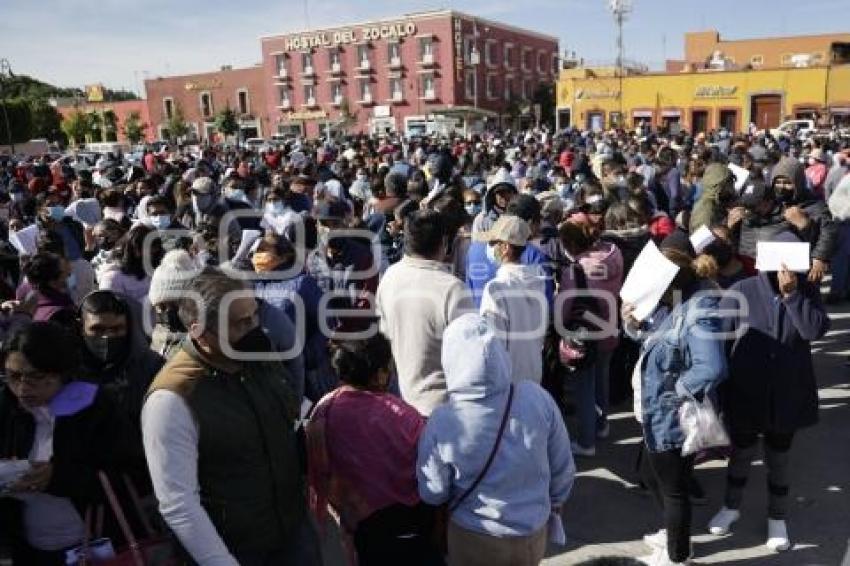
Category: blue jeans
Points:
column 591, row 398
column 840, row 264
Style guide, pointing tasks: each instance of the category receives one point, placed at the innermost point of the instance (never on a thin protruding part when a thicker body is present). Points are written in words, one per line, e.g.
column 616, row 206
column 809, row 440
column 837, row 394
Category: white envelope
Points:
column 25, row 240
column 647, row 281
column 702, row 238
column 795, row 255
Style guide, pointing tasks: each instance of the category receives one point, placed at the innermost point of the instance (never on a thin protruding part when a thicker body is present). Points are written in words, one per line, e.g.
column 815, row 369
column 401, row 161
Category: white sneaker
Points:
column 578, row 450
column 661, row 558
column 657, row 541
column 777, row 536
column 721, row 523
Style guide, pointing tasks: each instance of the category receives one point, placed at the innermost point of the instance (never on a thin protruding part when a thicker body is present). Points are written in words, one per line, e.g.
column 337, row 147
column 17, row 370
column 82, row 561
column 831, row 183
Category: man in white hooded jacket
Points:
column 514, row 301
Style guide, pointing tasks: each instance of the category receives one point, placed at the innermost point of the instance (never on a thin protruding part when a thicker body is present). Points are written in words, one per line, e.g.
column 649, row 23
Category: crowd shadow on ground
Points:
column 609, row 513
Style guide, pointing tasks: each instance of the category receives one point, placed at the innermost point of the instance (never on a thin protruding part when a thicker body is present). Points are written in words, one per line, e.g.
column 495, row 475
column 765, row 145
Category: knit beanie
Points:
column 173, row 276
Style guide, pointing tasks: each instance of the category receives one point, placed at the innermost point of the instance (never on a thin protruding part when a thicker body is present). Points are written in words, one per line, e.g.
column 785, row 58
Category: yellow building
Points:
column 703, row 100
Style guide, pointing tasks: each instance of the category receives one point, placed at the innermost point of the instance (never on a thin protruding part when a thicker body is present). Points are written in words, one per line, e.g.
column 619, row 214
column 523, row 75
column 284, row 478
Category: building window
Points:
column 335, row 59
column 307, row 63
column 509, row 55
column 555, row 64
column 168, row 107
column 396, row 90
column 524, row 92
column 469, row 84
column 491, row 87
column 426, row 49
column 280, row 65
column 467, row 50
column 336, row 93
column 427, row 89
column 363, row 56
column 615, row 119
column 242, row 98
column 394, row 54
column 526, row 59
column 757, row 60
column 786, row 59
column 489, row 53
column 283, row 96
column 509, row 88
column 310, row 95
column 206, row 105
column 541, row 62
column 817, row 58
column 365, row 91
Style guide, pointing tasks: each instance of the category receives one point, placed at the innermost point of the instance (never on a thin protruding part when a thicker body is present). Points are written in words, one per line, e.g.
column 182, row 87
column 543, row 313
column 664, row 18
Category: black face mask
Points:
column 254, row 342
column 109, row 350
column 171, row 319
column 786, row 197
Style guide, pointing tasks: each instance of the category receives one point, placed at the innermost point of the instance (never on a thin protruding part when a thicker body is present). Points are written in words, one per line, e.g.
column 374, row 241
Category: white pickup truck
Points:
column 802, row 129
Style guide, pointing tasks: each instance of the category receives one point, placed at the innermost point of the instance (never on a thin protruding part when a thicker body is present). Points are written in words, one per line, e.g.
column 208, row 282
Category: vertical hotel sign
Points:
column 457, row 35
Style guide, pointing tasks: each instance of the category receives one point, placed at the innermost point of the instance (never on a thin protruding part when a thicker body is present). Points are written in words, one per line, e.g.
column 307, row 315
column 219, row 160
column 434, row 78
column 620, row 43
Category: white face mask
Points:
column 113, row 213
column 160, row 221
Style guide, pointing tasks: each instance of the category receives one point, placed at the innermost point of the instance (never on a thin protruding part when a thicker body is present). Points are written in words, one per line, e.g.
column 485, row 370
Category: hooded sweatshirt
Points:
column 533, row 467
column 515, row 303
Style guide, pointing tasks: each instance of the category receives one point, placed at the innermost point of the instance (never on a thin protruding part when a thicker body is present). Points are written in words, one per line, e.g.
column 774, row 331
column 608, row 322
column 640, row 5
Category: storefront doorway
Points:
column 699, row 121
column 766, row 110
column 595, row 121
column 729, row 120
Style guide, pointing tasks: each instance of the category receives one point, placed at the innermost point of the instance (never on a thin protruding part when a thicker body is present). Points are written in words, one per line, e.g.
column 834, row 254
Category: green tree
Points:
column 95, row 123
column 19, row 127
column 134, row 129
column 227, row 123
column 46, row 121
column 347, row 118
column 76, row 127
column 176, row 124
column 110, row 126
column 544, row 95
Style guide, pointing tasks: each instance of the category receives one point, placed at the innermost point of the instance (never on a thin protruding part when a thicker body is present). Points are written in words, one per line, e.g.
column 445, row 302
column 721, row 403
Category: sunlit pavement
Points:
column 608, row 514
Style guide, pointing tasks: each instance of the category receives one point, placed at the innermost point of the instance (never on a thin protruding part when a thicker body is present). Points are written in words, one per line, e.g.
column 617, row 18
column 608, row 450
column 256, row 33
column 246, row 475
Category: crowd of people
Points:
column 390, row 334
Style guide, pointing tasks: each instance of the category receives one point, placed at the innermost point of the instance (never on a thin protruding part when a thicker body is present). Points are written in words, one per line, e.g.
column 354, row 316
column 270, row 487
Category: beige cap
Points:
column 508, row 228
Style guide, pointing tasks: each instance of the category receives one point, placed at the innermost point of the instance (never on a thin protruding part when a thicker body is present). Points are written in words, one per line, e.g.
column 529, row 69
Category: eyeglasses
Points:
column 34, row 378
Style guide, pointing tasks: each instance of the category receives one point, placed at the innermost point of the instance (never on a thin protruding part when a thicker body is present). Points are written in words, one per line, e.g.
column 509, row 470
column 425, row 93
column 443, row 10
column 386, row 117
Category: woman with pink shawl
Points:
column 362, row 446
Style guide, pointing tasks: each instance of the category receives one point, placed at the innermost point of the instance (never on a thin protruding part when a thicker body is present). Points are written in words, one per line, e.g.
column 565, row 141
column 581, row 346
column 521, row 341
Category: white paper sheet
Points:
column 25, row 240
column 702, row 238
column 249, row 238
column 741, row 176
column 86, row 210
column 648, row 279
column 795, row 255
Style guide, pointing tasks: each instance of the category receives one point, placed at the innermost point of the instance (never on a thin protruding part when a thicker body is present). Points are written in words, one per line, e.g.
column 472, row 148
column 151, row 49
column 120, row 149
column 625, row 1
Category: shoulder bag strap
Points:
column 133, row 543
column 492, row 456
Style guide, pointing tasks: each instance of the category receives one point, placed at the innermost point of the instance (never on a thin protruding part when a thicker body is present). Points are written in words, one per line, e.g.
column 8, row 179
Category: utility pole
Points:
column 6, row 73
column 620, row 9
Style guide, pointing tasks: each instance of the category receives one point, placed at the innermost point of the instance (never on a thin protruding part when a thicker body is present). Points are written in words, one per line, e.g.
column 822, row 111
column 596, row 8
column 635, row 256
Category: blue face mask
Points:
column 57, row 213
column 160, row 221
column 238, row 194
column 275, row 207
column 473, row 208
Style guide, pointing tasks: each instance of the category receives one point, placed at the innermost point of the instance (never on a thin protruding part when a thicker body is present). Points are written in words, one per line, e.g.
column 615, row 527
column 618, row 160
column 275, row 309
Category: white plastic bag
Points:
column 701, row 425
column 556, row 534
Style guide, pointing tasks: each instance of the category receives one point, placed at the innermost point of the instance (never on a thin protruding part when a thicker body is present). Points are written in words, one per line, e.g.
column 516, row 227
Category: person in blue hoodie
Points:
column 481, row 263
column 503, row 517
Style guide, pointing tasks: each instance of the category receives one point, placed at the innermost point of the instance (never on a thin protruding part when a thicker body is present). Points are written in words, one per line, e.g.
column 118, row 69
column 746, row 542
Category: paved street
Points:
column 608, row 514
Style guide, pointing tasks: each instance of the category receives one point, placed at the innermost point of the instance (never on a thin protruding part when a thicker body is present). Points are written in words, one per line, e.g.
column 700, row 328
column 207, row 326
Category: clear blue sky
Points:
column 119, row 42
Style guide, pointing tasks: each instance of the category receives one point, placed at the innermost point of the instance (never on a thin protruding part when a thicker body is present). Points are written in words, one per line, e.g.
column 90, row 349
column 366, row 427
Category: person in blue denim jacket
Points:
column 682, row 356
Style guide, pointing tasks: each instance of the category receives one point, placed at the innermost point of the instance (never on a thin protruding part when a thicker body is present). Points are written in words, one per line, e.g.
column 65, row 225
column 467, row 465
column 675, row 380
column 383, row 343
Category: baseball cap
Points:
column 511, row 229
column 753, row 193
